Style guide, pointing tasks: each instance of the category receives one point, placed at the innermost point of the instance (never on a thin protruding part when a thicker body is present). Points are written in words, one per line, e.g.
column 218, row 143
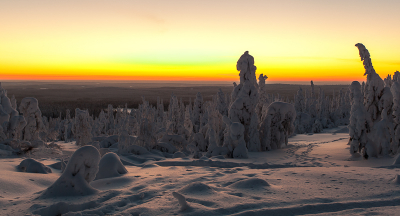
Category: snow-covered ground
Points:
column 313, row 175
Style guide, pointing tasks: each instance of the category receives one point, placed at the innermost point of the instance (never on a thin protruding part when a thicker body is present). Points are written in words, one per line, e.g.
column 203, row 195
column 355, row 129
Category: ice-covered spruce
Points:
column 395, row 89
column 277, row 125
column 7, row 111
column 360, row 122
column 373, row 87
column 82, row 128
column 29, row 107
column 245, row 98
column 81, row 169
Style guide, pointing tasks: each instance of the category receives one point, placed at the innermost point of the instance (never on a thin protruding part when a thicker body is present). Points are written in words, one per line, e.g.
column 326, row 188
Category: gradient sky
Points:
column 196, row 40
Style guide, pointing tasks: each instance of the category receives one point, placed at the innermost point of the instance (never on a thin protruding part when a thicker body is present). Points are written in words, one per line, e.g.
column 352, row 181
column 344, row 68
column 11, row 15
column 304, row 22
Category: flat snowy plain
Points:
column 314, row 174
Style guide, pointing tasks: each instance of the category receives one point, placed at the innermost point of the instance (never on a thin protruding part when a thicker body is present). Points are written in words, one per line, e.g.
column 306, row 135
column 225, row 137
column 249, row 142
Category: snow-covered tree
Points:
column 373, row 87
column 360, row 122
column 277, row 125
column 197, row 113
column 395, row 89
column 236, row 145
column 82, row 128
column 244, row 95
column 29, row 107
column 6, row 107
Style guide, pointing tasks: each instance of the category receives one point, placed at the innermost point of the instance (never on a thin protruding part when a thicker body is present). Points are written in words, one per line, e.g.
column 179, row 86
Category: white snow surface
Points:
column 313, row 174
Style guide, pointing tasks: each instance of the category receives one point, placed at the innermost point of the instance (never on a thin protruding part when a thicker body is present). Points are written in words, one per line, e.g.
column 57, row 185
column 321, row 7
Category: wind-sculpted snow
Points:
column 110, row 166
column 81, row 169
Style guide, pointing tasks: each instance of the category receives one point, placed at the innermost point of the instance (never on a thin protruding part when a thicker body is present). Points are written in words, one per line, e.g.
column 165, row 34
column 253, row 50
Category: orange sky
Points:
column 188, row 40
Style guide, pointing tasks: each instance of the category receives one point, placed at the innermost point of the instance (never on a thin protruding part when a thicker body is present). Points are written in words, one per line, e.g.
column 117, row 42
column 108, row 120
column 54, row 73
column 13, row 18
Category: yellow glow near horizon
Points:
column 185, row 40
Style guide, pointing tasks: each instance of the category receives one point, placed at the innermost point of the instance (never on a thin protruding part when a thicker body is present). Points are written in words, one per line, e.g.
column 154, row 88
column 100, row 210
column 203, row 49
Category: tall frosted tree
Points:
column 360, row 122
column 373, row 87
column 245, row 97
column 396, row 116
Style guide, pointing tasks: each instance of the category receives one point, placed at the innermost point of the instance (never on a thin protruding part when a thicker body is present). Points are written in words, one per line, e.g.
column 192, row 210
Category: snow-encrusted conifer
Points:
column 395, row 89
column 254, row 144
column 82, row 128
column 29, row 107
column 111, row 122
column 360, row 122
column 13, row 102
column 244, row 95
column 373, row 87
column 6, row 108
column 277, row 126
column 197, row 112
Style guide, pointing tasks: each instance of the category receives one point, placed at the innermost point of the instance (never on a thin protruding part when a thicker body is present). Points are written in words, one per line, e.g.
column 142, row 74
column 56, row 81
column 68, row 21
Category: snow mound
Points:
column 110, row 166
column 33, row 166
column 250, row 183
column 197, row 188
column 81, row 169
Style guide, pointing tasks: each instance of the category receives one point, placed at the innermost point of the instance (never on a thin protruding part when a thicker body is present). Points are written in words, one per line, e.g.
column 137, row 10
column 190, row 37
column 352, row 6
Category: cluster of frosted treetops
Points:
column 375, row 112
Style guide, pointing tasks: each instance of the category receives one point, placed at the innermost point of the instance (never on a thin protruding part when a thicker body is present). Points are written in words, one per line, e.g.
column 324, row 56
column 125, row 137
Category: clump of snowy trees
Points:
column 315, row 113
column 375, row 113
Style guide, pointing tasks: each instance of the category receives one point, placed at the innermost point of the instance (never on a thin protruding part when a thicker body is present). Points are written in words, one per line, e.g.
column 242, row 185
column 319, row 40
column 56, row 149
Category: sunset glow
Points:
column 183, row 40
